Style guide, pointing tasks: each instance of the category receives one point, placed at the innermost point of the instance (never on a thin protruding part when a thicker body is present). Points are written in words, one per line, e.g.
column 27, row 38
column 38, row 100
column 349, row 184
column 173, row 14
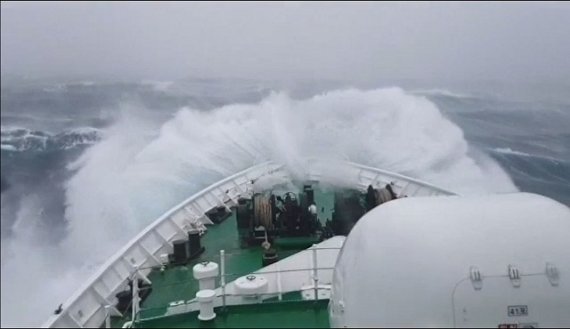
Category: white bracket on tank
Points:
column 552, row 274
column 136, row 270
column 324, row 292
column 476, row 278
column 515, row 276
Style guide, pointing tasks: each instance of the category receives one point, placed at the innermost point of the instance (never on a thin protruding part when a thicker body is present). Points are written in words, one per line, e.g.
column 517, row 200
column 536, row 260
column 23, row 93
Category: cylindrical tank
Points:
column 194, row 242
column 206, row 301
column 269, row 257
column 181, row 250
column 472, row 261
column 310, row 193
column 243, row 216
column 250, row 286
column 124, row 299
column 206, row 274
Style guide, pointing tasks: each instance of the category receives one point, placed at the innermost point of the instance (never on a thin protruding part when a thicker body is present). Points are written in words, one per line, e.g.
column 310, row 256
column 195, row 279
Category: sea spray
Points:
column 138, row 170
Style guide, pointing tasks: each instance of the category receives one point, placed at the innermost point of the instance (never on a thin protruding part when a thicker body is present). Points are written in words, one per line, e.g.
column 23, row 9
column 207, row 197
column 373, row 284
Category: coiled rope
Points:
column 262, row 211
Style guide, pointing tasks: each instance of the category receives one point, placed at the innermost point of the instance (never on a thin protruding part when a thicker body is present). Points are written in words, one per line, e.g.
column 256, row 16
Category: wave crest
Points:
column 16, row 139
column 136, row 171
column 135, row 178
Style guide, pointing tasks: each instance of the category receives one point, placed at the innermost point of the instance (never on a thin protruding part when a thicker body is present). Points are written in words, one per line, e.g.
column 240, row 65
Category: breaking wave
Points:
column 135, row 170
column 18, row 139
column 440, row 92
column 134, row 173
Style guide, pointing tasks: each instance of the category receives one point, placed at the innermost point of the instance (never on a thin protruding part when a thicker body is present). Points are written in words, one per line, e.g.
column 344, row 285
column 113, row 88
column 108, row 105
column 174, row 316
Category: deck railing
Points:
column 86, row 308
column 186, row 305
column 91, row 304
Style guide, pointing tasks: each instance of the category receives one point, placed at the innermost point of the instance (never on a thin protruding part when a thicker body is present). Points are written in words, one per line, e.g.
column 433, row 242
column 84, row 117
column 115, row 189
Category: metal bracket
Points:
column 138, row 272
column 515, row 276
column 552, row 274
column 341, row 306
column 110, row 310
column 475, row 276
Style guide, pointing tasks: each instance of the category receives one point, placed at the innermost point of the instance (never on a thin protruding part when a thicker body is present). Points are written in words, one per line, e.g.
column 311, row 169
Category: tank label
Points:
column 517, row 310
column 517, row 325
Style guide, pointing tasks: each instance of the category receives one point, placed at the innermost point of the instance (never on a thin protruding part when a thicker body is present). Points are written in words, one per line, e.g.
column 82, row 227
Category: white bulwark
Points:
column 92, row 303
column 483, row 261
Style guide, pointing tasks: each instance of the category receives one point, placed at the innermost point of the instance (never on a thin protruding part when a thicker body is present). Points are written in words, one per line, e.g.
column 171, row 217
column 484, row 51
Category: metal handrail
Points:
column 222, row 295
column 193, row 302
column 402, row 177
column 229, row 275
column 232, row 275
column 202, row 196
column 314, row 270
column 117, row 256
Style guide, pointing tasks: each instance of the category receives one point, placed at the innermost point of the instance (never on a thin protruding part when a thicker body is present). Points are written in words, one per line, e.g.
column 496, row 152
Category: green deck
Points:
column 177, row 283
column 306, row 314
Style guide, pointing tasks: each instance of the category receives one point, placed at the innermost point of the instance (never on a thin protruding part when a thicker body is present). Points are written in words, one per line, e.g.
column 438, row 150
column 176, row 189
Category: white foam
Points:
column 440, row 92
column 508, row 150
column 7, row 147
column 137, row 171
column 23, row 139
column 161, row 86
column 127, row 179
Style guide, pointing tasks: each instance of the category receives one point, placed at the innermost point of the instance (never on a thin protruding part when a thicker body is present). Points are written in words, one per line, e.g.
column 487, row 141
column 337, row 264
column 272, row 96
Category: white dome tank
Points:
column 251, row 285
column 206, row 274
column 486, row 261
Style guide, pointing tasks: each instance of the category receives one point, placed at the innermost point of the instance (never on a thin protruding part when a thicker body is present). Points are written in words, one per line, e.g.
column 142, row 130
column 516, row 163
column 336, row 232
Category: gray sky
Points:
column 352, row 41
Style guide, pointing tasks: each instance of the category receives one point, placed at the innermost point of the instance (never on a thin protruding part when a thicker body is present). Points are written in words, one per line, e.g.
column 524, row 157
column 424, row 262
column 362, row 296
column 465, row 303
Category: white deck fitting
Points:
column 86, row 307
column 294, row 273
column 477, row 261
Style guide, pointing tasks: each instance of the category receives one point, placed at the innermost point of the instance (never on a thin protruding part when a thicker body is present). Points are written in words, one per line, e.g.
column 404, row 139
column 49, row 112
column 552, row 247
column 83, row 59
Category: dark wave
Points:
column 22, row 139
column 539, row 174
column 4, row 185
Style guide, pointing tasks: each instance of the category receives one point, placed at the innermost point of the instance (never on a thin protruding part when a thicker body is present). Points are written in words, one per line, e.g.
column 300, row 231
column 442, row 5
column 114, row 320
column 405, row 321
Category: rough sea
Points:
column 86, row 165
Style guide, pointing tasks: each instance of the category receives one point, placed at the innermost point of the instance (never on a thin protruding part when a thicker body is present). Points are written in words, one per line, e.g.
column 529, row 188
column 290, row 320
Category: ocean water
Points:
column 86, row 165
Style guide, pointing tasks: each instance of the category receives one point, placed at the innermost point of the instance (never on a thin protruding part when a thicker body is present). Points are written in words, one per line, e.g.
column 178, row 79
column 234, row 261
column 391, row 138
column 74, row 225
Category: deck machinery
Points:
column 316, row 256
column 297, row 220
column 280, row 222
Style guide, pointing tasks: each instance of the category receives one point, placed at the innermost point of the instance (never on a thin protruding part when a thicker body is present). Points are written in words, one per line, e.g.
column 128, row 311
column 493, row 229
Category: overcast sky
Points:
column 353, row 41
